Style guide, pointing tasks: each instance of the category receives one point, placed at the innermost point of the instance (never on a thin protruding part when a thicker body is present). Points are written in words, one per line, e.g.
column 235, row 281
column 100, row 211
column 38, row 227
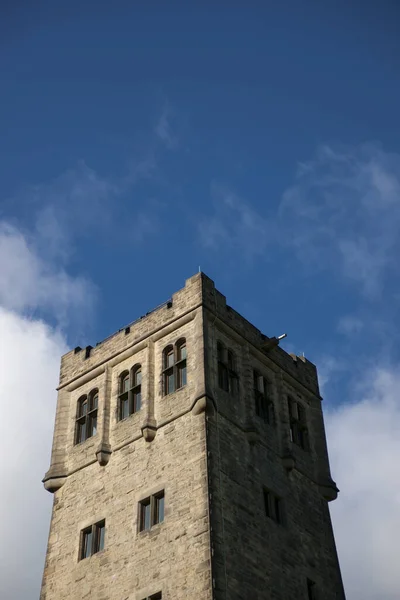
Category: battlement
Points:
column 199, row 290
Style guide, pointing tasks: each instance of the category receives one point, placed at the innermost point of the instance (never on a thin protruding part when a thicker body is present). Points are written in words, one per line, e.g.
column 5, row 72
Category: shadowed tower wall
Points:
column 243, row 483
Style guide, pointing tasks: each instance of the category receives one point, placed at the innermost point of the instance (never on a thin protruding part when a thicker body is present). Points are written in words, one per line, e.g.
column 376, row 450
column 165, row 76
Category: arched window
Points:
column 263, row 397
column 130, row 392
column 298, row 424
column 227, row 376
column 174, row 367
column 86, row 416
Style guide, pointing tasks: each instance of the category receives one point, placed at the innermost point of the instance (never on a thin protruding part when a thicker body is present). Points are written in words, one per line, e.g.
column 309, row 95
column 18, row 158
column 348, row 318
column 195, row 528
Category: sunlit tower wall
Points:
column 189, row 459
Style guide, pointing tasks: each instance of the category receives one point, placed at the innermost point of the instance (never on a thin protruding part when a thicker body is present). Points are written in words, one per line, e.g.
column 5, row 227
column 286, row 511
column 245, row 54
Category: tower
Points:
column 189, row 460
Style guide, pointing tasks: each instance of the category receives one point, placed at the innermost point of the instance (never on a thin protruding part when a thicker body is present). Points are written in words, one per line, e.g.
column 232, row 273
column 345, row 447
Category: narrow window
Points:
column 92, row 540
column 157, row 596
column 263, row 398
column 86, row 418
column 80, row 435
column 136, row 396
column 298, row 424
column 233, row 378
column 169, row 375
column 100, row 530
column 227, row 376
column 92, row 414
column 86, row 548
column 181, row 363
column 145, row 514
column 151, row 511
column 273, row 506
column 311, row 590
column 158, row 507
column 174, row 367
column 223, row 377
column 124, row 385
column 130, row 392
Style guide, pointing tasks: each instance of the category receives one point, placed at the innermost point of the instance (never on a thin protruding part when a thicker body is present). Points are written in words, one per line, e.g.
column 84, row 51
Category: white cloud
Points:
column 29, row 355
column 164, row 130
column 235, row 226
column 364, row 445
column 28, row 282
column 350, row 325
column 343, row 213
column 32, row 283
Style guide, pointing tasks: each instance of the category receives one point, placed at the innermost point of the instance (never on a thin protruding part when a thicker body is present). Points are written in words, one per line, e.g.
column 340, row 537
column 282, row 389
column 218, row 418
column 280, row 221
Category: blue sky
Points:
column 259, row 141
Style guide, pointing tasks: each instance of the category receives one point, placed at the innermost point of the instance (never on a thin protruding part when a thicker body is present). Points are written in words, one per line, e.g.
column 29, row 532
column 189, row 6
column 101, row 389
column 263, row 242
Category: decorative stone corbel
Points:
column 103, row 453
column 53, row 480
column 199, row 405
column 149, row 429
column 329, row 490
column 289, row 462
column 252, row 433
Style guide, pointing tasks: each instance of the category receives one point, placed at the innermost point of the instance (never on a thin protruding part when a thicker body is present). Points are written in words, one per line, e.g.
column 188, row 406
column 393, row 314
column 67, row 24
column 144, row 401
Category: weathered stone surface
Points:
column 211, row 455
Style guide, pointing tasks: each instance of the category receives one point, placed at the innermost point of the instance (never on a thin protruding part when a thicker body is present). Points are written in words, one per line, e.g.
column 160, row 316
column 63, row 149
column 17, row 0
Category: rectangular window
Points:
column 81, row 432
column 264, row 404
column 170, row 382
column 311, row 590
column 298, row 424
column 86, row 548
column 159, row 508
column 123, row 406
column 92, row 540
column 273, row 506
column 145, row 512
column 181, row 370
column 151, row 511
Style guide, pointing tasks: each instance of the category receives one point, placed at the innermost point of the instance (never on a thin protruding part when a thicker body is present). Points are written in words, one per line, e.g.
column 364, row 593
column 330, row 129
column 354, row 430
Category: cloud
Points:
column 364, row 445
column 343, row 213
column 350, row 325
column 235, row 226
column 29, row 355
column 28, row 282
column 163, row 128
column 34, row 284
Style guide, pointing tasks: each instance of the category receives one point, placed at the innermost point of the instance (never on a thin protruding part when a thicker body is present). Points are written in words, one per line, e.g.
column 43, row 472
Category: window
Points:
column 227, row 376
column 174, row 367
column 86, row 418
column 298, row 424
column 92, row 540
column 151, row 511
column 130, row 392
column 273, row 507
column 311, row 590
column 157, row 596
column 264, row 403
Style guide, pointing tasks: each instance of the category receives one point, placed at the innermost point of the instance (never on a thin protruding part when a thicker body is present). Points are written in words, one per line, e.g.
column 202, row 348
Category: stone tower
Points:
column 189, row 460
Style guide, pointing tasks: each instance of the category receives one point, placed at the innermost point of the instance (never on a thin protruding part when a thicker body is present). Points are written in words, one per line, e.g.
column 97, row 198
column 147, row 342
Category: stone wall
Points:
column 216, row 541
column 253, row 556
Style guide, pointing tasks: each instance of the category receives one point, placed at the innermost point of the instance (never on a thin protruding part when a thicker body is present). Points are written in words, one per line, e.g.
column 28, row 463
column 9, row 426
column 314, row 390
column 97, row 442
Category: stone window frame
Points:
column 174, row 367
column 86, row 416
column 152, row 501
column 263, row 398
column 132, row 396
column 228, row 378
column 97, row 533
column 299, row 434
column 274, row 506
